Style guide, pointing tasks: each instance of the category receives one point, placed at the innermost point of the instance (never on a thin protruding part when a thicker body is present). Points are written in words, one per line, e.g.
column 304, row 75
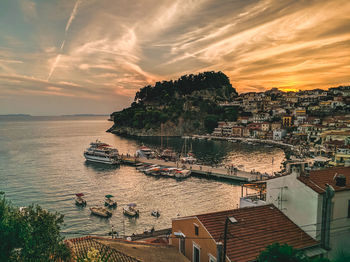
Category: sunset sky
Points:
column 91, row 56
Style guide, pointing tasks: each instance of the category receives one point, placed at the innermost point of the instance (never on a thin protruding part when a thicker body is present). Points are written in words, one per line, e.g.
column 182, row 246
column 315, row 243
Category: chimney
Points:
column 340, row 180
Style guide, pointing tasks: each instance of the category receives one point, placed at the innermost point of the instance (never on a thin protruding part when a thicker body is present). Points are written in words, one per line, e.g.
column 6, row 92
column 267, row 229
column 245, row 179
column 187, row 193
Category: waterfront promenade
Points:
column 200, row 170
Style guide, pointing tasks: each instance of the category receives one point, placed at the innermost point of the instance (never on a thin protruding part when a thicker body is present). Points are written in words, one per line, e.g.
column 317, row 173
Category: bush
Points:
column 30, row 234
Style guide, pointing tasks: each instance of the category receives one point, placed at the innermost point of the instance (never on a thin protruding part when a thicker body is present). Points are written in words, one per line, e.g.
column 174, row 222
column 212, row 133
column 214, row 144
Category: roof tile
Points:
column 318, row 179
column 257, row 227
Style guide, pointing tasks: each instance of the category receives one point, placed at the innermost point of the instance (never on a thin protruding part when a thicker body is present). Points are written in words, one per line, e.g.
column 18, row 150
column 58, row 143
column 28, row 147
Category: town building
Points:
column 249, row 231
column 318, row 201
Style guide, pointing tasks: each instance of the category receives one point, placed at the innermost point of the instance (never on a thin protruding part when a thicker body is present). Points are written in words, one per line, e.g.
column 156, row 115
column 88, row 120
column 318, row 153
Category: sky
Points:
column 91, row 56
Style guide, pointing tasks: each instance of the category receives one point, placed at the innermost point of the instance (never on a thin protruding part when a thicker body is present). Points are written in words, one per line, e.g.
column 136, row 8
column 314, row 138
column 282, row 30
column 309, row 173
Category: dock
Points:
column 204, row 171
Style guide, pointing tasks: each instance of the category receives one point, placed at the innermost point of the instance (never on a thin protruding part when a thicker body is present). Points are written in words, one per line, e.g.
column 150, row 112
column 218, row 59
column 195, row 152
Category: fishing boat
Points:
column 142, row 167
column 182, row 173
column 188, row 159
column 109, row 202
column 130, row 210
column 187, row 156
column 168, row 154
column 150, row 169
column 79, row 200
column 102, row 153
column 168, row 171
column 100, row 211
column 155, row 213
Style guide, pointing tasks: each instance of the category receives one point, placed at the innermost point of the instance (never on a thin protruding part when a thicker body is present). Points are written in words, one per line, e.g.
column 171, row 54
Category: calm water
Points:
column 41, row 162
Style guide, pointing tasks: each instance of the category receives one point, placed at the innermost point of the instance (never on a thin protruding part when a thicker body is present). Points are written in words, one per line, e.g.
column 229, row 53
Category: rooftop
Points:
column 255, row 229
column 122, row 250
column 318, row 179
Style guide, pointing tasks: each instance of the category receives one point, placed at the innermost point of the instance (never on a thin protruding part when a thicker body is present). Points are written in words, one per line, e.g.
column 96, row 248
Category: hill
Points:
column 184, row 106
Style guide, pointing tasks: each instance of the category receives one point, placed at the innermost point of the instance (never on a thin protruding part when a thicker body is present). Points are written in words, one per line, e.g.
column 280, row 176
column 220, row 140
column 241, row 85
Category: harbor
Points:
column 204, row 171
column 48, row 167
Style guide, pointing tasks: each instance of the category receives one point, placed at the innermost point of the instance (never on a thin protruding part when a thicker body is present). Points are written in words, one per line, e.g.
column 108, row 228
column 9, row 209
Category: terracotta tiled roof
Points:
column 257, row 227
column 318, row 179
column 80, row 247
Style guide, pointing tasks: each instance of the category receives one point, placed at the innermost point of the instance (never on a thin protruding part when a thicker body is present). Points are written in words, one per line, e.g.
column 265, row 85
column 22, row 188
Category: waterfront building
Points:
column 265, row 126
column 279, row 134
column 249, row 231
column 275, row 125
column 287, row 120
column 341, row 157
column 317, row 201
column 217, row 131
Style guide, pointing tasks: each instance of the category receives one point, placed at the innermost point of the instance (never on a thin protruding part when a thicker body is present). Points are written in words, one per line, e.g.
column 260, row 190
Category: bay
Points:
column 41, row 162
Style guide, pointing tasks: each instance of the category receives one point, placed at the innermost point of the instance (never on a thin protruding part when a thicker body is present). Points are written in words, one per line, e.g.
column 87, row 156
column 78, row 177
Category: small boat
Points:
column 182, row 173
column 151, row 169
column 100, row 211
column 79, row 200
column 155, row 213
column 130, row 210
column 168, row 172
column 145, row 152
column 109, row 202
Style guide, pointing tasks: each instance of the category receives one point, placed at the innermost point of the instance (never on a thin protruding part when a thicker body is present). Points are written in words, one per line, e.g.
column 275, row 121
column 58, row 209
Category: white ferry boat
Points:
column 102, row 153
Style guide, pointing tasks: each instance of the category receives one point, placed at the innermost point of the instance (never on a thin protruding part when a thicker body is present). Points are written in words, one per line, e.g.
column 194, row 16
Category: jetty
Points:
column 198, row 170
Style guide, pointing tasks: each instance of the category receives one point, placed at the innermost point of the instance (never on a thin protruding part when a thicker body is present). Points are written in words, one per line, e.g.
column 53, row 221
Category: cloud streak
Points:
column 70, row 20
column 116, row 47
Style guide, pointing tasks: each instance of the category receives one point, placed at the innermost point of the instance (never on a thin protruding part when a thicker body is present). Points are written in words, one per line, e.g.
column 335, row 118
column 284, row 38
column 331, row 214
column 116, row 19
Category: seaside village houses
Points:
column 305, row 206
column 309, row 210
column 318, row 201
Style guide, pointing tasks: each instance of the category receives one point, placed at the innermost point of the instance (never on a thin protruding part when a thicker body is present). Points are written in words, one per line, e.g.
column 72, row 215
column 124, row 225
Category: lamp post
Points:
column 232, row 220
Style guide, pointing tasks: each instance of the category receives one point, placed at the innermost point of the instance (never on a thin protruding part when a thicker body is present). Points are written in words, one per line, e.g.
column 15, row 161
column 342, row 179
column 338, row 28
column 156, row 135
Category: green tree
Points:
column 210, row 122
column 277, row 253
column 285, row 253
column 30, row 234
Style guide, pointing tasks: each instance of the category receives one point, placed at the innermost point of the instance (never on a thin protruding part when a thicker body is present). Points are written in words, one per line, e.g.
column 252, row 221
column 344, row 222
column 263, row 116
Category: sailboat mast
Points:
column 161, row 135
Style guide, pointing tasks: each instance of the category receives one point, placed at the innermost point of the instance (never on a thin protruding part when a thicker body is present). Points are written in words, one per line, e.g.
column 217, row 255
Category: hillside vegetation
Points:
column 184, row 106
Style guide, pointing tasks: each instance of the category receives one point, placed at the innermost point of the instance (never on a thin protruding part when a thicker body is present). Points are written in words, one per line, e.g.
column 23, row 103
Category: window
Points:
column 196, row 253
column 196, row 230
column 211, row 258
column 182, row 245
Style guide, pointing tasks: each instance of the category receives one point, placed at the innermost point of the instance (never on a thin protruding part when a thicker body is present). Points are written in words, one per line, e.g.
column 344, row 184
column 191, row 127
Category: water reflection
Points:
column 46, row 166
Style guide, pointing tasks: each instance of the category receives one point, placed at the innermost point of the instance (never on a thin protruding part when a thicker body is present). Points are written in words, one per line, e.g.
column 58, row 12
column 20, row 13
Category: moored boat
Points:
column 151, row 169
column 130, row 210
column 168, row 154
column 100, row 211
column 79, row 200
column 182, row 173
column 168, row 171
column 145, row 152
column 109, row 202
column 102, row 153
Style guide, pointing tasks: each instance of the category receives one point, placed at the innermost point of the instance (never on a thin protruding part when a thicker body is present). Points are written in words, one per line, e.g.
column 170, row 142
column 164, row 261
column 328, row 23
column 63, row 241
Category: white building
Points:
column 278, row 134
column 318, row 202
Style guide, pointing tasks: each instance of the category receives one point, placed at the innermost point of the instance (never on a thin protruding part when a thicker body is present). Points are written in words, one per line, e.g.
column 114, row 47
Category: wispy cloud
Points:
column 109, row 49
column 70, row 20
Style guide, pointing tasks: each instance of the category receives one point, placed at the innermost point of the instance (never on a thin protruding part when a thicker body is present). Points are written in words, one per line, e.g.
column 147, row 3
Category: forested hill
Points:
column 184, row 106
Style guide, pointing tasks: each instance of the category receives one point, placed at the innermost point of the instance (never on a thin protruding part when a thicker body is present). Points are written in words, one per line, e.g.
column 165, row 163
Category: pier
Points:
column 204, row 171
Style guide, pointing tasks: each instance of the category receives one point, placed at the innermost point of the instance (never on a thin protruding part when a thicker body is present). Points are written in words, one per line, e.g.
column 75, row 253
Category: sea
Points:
column 42, row 163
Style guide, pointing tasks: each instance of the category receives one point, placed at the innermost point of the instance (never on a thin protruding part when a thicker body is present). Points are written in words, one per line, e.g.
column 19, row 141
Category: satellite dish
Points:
column 128, row 238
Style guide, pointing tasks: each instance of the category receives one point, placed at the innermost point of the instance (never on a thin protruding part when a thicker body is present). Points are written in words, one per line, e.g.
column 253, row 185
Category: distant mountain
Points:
column 16, row 115
column 86, row 115
column 184, row 106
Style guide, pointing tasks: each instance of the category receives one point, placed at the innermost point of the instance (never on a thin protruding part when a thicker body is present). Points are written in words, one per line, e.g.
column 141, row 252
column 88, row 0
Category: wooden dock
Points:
column 204, row 171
